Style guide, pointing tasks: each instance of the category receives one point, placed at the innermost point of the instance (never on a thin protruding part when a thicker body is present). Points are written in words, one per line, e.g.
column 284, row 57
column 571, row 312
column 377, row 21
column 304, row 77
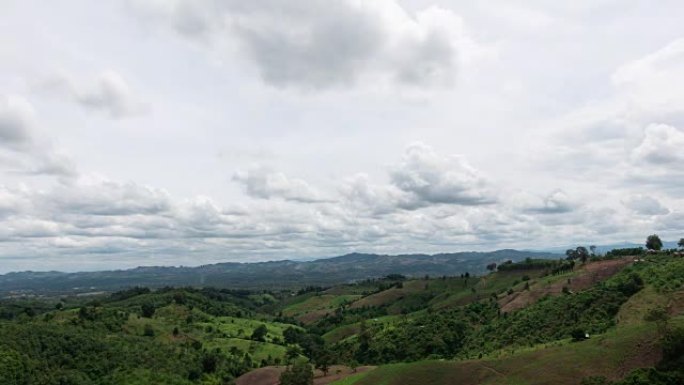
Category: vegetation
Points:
column 653, row 242
column 421, row 330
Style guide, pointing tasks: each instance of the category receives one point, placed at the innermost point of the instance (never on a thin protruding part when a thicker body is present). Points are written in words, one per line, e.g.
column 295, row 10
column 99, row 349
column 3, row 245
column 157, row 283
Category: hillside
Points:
column 262, row 275
column 533, row 322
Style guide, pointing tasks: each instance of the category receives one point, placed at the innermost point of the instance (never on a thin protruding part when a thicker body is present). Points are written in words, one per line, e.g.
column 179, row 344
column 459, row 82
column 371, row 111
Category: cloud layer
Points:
column 189, row 132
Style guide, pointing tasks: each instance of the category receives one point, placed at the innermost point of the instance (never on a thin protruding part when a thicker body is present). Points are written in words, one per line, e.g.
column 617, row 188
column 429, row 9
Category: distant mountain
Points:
column 271, row 275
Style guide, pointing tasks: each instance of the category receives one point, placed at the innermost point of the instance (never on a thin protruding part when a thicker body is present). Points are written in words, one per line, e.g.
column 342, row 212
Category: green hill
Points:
column 619, row 319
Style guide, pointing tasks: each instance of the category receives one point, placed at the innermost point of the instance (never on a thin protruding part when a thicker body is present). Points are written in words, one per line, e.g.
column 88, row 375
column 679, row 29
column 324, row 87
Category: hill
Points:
column 262, row 275
column 617, row 319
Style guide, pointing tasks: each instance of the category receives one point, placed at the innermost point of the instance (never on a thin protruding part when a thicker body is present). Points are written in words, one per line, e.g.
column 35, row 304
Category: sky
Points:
column 188, row 132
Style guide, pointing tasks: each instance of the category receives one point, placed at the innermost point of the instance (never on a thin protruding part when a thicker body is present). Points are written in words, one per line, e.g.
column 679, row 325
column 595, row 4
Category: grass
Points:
column 351, row 380
column 319, row 302
column 258, row 350
column 560, row 363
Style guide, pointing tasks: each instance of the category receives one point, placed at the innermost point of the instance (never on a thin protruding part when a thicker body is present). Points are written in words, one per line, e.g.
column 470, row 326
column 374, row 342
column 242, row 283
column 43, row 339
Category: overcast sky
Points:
column 170, row 132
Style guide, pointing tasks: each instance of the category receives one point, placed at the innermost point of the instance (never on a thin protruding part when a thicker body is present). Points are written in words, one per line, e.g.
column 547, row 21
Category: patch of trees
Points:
column 625, row 252
column 653, row 242
column 528, row 264
column 300, row 373
column 480, row 327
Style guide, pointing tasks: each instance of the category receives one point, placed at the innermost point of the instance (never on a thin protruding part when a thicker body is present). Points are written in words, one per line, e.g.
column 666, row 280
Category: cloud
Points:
column 646, row 83
column 557, row 202
column 661, row 144
column 434, row 179
column 22, row 150
column 362, row 194
column 322, row 43
column 107, row 92
column 263, row 183
column 98, row 196
column 111, row 94
column 16, row 121
column 645, row 205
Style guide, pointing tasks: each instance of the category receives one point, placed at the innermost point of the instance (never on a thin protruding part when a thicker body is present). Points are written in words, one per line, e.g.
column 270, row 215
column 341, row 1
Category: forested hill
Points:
column 266, row 275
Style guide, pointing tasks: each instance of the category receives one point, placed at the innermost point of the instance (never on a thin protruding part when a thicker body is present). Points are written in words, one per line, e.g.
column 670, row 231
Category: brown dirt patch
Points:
column 379, row 299
column 313, row 316
column 337, row 372
column 676, row 305
column 270, row 375
column 585, row 276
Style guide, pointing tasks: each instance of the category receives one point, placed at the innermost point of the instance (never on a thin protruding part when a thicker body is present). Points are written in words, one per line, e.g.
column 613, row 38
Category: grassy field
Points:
column 611, row 355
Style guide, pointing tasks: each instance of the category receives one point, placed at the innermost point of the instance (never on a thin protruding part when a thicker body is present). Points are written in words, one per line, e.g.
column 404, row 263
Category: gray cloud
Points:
column 556, row 202
column 320, row 43
column 16, row 119
column 103, row 197
column 261, row 182
column 645, row 205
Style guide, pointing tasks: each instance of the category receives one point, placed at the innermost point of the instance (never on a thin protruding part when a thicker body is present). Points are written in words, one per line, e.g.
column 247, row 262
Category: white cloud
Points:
column 662, row 144
column 647, row 83
column 107, row 92
column 261, row 182
column 567, row 119
column 22, row 150
column 432, row 178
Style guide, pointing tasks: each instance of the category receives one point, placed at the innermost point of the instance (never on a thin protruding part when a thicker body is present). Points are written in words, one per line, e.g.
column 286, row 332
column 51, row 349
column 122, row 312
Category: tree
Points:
column 148, row 331
column 259, row 333
column 12, row 367
column 578, row 335
column 147, row 310
column 353, row 365
column 570, row 254
column 653, row 242
column 292, row 353
column 491, row 266
column 293, row 335
column 681, row 243
column 593, row 250
column 299, row 373
column 582, row 253
column 323, row 360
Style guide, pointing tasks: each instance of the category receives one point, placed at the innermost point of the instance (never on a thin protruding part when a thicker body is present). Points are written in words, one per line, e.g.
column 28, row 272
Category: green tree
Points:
column 300, row 373
column 147, row 310
column 12, row 368
column 653, row 242
column 323, row 360
column 292, row 353
column 259, row 333
column 148, row 331
column 582, row 253
column 681, row 243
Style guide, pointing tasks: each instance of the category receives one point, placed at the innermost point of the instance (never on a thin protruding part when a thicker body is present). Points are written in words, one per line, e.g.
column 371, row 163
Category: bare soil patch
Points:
column 270, row 375
column 586, row 276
